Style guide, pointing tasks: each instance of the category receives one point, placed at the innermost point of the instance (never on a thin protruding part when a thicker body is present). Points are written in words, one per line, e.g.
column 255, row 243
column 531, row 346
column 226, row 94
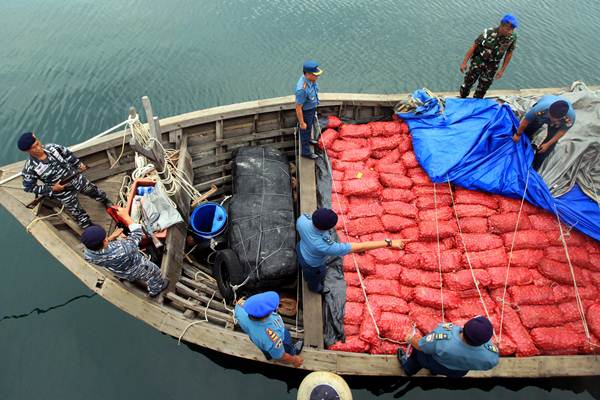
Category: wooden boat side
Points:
column 230, row 125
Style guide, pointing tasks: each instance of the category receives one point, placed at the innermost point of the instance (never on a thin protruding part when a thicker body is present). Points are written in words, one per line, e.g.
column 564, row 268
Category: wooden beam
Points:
column 311, row 302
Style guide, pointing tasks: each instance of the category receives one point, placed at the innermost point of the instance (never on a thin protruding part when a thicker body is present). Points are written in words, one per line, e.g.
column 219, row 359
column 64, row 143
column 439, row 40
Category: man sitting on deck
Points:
column 122, row 257
column 554, row 111
column 51, row 164
column 316, row 245
column 451, row 350
column 257, row 316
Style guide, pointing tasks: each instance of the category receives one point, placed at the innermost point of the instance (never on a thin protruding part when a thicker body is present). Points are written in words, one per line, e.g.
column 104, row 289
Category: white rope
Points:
column 199, row 321
column 109, row 130
column 439, row 256
column 510, row 255
column 38, row 219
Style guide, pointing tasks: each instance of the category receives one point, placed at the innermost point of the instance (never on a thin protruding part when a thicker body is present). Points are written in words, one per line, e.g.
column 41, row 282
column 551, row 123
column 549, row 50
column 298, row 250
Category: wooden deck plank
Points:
column 311, row 302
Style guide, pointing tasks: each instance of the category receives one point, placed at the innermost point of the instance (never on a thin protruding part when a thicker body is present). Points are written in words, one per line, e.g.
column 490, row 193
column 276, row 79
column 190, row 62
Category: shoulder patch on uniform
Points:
column 440, row 336
column 274, row 338
column 305, row 85
column 491, row 347
column 447, row 326
column 328, row 240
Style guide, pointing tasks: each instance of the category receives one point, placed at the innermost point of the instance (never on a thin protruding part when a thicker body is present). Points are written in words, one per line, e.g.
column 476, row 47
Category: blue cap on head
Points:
column 510, row 19
column 478, row 331
column 324, row 219
column 262, row 304
column 93, row 236
column 26, row 141
column 558, row 109
column 312, row 66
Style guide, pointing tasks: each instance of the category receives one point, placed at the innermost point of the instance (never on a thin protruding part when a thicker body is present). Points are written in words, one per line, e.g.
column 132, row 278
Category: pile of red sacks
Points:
column 381, row 191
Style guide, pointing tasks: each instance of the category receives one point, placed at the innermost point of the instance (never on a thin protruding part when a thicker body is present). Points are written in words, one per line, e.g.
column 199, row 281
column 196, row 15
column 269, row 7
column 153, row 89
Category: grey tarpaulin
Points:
column 576, row 157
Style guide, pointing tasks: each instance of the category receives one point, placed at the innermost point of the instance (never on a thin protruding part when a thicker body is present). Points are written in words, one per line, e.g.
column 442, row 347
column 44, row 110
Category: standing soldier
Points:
column 51, row 164
column 485, row 55
column 122, row 256
column 307, row 100
column 555, row 111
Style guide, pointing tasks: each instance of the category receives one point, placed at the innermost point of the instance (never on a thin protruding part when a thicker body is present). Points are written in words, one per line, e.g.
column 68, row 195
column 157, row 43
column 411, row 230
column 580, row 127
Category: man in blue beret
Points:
column 316, row 245
column 451, row 350
column 554, row 111
column 485, row 54
column 51, row 164
column 122, row 256
column 307, row 100
column 257, row 316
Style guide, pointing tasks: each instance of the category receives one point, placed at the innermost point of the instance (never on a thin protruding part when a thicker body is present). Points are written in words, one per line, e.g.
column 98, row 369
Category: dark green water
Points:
column 70, row 69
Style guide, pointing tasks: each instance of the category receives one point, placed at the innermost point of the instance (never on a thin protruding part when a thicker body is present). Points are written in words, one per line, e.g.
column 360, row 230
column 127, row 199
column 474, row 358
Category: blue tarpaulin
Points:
column 470, row 143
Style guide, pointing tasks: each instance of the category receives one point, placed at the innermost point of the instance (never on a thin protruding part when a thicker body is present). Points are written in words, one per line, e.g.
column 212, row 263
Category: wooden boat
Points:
column 192, row 309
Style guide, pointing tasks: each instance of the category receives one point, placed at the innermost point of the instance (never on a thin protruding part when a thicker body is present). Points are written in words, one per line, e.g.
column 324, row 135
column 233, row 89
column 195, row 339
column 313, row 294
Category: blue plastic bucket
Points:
column 208, row 220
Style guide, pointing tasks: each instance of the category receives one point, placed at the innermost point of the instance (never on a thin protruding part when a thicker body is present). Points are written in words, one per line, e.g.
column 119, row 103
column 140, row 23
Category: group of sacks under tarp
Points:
column 379, row 191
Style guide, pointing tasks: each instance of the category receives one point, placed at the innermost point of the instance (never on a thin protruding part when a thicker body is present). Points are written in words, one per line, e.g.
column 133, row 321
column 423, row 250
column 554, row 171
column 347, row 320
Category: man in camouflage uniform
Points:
column 485, row 55
column 52, row 163
column 122, row 256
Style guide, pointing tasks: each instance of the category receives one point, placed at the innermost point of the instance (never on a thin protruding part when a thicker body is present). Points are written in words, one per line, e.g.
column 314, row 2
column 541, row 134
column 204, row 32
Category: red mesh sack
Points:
column 344, row 165
column 333, row 122
column 577, row 255
column 518, row 333
column 366, row 263
column 415, row 277
column 473, row 210
column 561, row 273
column 421, row 180
column 340, row 145
column 449, row 261
column 570, row 311
column 353, row 313
column 554, row 238
column 379, row 154
column 512, row 205
column 593, row 319
column 544, row 222
column 503, row 223
column 409, row 160
column 363, row 226
column 462, row 196
column 463, row 280
column 388, row 271
column 405, row 145
column 349, row 130
column 567, row 292
column 444, row 213
column 481, row 241
column 381, row 286
column 327, row 138
column 351, row 330
column 339, row 204
column 368, row 333
column 386, row 256
column 409, row 260
column 538, row 316
column 487, row 258
column 529, row 258
column 395, row 223
column 539, row 279
column 365, row 210
column 507, row 347
column 426, row 318
column 474, row 225
column 532, row 295
column 430, row 297
column 425, row 247
column 360, row 174
column 354, row 294
column 399, row 208
column 395, row 326
column 409, row 234
column 557, row 339
column 353, row 344
column 392, row 194
column 355, row 154
column 517, row 276
column 406, row 292
column 395, row 181
column 337, row 175
column 393, row 168
column 386, row 128
column 391, row 158
column 384, row 347
column 428, row 190
column 470, row 308
column 428, row 202
column 441, row 229
column 389, row 303
column 351, row 278
column 385, row 143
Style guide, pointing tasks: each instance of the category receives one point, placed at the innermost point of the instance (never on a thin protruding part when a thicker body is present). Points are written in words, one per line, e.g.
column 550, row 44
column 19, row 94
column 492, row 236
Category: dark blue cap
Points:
column 558, row 109
column 324, row 219
column 262, row 304
column 312, row 66
column 93, row 236
column 26, row 141
column 510, row 19
column 478, row 331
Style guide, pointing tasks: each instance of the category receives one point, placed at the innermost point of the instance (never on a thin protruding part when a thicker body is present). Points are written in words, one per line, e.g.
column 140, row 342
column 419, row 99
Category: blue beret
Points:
column 312, row 67
column 324, row 219
column 558, row 109
column 478, row 331
column 26, row 141
column 510, row 19
column 262, row 304
column 93, row 236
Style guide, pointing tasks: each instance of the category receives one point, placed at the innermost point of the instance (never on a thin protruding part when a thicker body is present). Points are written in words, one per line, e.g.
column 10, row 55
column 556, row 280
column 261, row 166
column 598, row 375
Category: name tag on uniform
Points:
column 41, row 168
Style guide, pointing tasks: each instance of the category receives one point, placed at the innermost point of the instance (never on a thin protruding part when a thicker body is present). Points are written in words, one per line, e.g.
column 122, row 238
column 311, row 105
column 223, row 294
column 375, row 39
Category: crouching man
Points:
column 257, row 316
column 451, row 350
column 122, row 256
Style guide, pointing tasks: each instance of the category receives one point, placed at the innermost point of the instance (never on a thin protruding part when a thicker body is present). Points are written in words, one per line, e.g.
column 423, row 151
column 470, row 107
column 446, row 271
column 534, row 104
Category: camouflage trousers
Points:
column 147, row 272
column 483, row 73
column 69, row 199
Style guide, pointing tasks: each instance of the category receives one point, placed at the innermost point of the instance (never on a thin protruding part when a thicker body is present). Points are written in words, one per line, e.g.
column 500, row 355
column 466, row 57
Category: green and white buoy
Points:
column 323, row 385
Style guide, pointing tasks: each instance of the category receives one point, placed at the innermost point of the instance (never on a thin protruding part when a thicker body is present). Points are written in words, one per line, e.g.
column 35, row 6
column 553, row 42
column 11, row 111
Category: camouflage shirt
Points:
column 491, row 47
column 119, row 256
column 59, row 163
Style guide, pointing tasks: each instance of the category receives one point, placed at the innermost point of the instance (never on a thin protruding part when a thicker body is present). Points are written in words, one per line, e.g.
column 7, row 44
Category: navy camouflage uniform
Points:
column 59, row 164
column 489, row 50
column 123, row 258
